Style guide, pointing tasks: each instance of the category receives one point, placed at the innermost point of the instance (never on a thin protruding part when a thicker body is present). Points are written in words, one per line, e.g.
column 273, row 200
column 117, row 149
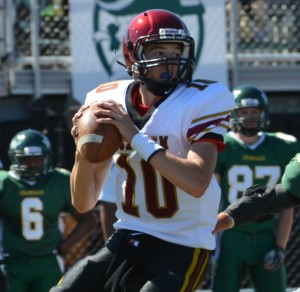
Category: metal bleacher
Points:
column 37, row 46
column 56, row 81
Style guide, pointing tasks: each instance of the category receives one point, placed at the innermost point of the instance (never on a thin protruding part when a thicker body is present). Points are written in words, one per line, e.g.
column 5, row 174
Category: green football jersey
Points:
column 241, row 167
column 30, row 213
column 291, row 177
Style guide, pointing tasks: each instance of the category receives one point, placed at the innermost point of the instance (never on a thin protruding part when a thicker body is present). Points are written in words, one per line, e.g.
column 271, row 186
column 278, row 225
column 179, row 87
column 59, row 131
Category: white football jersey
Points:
column 147, row 202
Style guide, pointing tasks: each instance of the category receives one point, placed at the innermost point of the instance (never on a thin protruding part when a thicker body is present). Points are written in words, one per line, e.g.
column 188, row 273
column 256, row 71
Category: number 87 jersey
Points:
column 240, row 166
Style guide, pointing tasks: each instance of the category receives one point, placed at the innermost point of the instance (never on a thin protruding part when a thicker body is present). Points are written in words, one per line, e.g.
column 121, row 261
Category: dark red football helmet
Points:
column 158, row 25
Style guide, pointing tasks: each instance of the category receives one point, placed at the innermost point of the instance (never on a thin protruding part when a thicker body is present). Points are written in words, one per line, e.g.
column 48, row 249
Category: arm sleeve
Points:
column 260, row 203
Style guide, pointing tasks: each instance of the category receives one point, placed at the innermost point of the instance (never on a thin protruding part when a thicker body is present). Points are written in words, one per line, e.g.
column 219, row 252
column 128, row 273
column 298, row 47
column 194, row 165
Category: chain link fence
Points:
column 269, row 26
column 54, row 35
column 263, row 27
column 263, row 44
column 261, row 35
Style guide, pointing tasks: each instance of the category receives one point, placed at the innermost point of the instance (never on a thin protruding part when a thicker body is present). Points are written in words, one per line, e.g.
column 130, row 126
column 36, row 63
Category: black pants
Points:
column 132, row 261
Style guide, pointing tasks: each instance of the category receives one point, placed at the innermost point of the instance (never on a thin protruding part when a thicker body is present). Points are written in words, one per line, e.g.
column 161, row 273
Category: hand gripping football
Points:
column 96, row 142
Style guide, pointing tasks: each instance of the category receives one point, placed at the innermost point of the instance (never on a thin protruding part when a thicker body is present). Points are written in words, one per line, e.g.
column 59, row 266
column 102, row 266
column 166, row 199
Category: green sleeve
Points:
column 291, row 176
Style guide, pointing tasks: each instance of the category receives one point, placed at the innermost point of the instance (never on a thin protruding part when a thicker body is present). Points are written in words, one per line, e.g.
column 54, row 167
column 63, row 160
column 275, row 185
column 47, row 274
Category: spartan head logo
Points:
column 112, row 17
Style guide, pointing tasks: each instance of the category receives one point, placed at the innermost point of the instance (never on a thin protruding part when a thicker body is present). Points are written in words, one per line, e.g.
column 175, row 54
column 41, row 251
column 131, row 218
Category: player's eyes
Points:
column 177, row 55
column 157, row 54
column 162, row 54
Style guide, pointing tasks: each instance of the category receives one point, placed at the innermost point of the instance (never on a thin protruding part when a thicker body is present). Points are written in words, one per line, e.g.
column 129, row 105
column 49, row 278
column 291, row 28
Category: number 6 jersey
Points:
column 30, row 213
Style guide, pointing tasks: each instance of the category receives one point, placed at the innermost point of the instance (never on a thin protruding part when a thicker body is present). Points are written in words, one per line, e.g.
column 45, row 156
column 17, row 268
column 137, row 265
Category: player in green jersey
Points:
column 33, row 195
column 261, row 202
column 252, row 156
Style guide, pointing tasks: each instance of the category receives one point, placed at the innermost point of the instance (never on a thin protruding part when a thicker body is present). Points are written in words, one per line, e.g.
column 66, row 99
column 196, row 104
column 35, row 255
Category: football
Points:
column 96, row 142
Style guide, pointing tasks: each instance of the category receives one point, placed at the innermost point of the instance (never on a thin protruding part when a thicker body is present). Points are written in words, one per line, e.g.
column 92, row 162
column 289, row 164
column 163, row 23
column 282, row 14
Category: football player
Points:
column 253, row 156
column 260, row 202
column 33, row 194
column 167, row 196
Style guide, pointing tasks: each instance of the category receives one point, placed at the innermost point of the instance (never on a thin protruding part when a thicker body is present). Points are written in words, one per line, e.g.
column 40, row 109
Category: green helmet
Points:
column 248, row 96
column 29, row 143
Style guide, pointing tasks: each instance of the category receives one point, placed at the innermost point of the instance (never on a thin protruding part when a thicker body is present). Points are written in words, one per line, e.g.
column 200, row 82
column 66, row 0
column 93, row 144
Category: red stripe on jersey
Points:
column 200, row 127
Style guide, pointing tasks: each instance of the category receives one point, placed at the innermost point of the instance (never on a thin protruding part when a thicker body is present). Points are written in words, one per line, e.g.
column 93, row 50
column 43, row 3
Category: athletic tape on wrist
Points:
column 145, row 146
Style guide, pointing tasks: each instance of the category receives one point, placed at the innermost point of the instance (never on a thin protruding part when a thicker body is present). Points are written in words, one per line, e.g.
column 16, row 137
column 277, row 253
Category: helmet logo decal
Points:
column 112, row 17
column 249, row 102
column 33, row 151
column 166, row 32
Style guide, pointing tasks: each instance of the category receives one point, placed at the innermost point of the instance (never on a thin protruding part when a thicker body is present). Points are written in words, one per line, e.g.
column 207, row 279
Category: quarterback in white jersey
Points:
column 167, row 196
column 192, row 113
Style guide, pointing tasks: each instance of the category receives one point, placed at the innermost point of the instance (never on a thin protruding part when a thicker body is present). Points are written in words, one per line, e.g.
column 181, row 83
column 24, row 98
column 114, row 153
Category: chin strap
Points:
column 158, row 89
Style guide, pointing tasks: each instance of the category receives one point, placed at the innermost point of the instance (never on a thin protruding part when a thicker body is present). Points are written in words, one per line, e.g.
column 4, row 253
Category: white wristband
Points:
column 145, row 146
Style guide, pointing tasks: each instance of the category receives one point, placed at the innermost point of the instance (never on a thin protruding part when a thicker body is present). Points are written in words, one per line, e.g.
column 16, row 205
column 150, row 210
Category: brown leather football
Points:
column 96, row 142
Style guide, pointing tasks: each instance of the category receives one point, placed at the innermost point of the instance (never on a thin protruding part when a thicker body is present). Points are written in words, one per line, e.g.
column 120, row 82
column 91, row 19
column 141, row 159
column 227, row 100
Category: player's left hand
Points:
column 274, row 259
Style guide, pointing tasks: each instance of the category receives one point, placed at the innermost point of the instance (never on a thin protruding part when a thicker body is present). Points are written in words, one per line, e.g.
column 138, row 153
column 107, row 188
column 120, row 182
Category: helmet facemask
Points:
column 26, row 171
column 249, row 126
column 140, row 70
column 249, row 97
